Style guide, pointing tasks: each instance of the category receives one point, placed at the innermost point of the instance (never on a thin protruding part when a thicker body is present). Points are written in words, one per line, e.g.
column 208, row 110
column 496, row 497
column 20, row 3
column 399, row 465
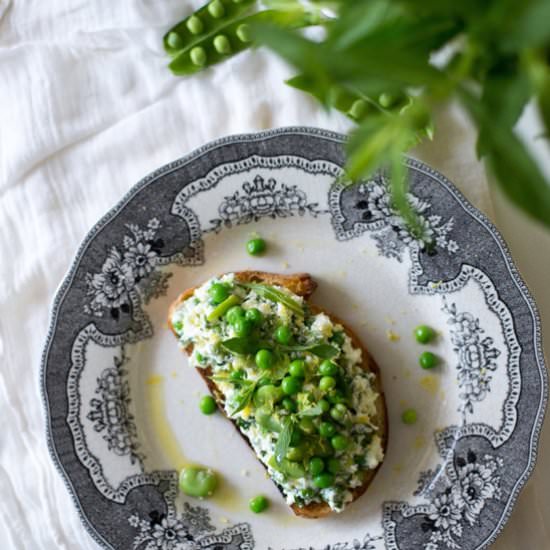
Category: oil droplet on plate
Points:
column 430, row 383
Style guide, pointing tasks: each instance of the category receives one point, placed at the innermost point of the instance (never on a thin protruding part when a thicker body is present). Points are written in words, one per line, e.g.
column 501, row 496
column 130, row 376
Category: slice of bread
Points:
column 303, row 285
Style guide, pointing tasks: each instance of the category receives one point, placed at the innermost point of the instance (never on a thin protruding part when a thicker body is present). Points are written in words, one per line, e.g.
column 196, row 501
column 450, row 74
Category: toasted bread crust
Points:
column 303, row 285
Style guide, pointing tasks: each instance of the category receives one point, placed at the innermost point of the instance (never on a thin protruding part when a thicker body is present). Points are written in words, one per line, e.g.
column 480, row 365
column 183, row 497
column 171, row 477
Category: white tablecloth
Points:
column 87, row 108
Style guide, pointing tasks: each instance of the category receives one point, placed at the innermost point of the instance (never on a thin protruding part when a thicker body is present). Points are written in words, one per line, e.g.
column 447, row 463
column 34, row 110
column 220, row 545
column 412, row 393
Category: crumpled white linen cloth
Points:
column 87, row 108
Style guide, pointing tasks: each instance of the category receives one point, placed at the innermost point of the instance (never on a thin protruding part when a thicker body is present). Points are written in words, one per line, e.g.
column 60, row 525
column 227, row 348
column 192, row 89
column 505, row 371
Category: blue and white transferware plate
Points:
column 121, row 401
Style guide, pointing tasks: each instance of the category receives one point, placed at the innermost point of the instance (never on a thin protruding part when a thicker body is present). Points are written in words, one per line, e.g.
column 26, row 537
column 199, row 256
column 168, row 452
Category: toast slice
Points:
column 302, row 285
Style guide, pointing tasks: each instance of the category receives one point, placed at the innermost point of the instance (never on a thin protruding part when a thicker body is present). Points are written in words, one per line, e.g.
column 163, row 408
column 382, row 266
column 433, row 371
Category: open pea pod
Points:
column 203, row 23
column 231, row 39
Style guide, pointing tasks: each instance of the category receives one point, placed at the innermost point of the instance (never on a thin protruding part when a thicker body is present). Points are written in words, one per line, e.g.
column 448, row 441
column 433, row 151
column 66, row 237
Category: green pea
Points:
column 291, row 385
column 222, row 45
column 424, row 334
column 194, row 25
column 297, row 368
column 239, row 374
column 207, row 404
column 265, row 381
column 327, row 383
column 409, row 416
column 255, row 247
column 199, row 357
column 218, row 292
column 264, row 359
column 243, row 33
column 316, row 465
column 178, row 326
column 223, row 308
column 295, row 454
column 198, row 56
column 307, row 426
column 339, row 412
column 289, row 404
column 258, row 504
column 216, row 9
column 174, row 40
column 339, row 442
column 327, row 429
column 328, row 368
column 386, row 100
column 267, row 395
column 324, row 480
column 242, row 327
column 358, row 109
column 254, row 315
column 428, row 360
column 333, row 465
column 325, row 405
column 197, row 481
column 283, row 335
column 234, row 313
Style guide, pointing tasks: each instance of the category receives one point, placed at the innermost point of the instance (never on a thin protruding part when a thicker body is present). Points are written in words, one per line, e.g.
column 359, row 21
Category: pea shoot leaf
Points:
column 283, row 441
column 275, row 295
column 243, row 398
column 241, row 346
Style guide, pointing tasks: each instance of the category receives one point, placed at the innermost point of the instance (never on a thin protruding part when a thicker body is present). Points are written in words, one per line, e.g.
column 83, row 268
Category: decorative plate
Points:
column 121, row 401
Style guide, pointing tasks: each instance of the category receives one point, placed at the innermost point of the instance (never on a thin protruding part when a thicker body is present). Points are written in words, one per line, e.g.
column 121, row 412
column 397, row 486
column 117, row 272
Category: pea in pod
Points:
column 204, row 23
column 233, row 37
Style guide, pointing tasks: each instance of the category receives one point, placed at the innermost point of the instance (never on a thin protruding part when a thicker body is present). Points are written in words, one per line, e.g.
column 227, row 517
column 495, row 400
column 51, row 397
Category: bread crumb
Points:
column 285, row 265
column 223, row 519
column 342, row 273
column 389, row 320
column 392, row 336
column 245, row 472
column 419, row 442
column 398, row 468
column 355, row 306
column 174, row 374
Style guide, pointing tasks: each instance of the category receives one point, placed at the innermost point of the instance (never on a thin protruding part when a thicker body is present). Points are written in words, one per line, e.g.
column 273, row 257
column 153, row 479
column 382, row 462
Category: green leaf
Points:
column 504, row 97
column 283, row 441
column 517, row 173
column 240, row 346
column 275, row 295
column 243, row 398
column 544, row 103
column 528, row 25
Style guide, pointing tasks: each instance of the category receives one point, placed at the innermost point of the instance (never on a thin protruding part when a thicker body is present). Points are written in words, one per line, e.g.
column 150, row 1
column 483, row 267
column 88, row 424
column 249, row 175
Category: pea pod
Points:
column 230, row 39
column 203, row 23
